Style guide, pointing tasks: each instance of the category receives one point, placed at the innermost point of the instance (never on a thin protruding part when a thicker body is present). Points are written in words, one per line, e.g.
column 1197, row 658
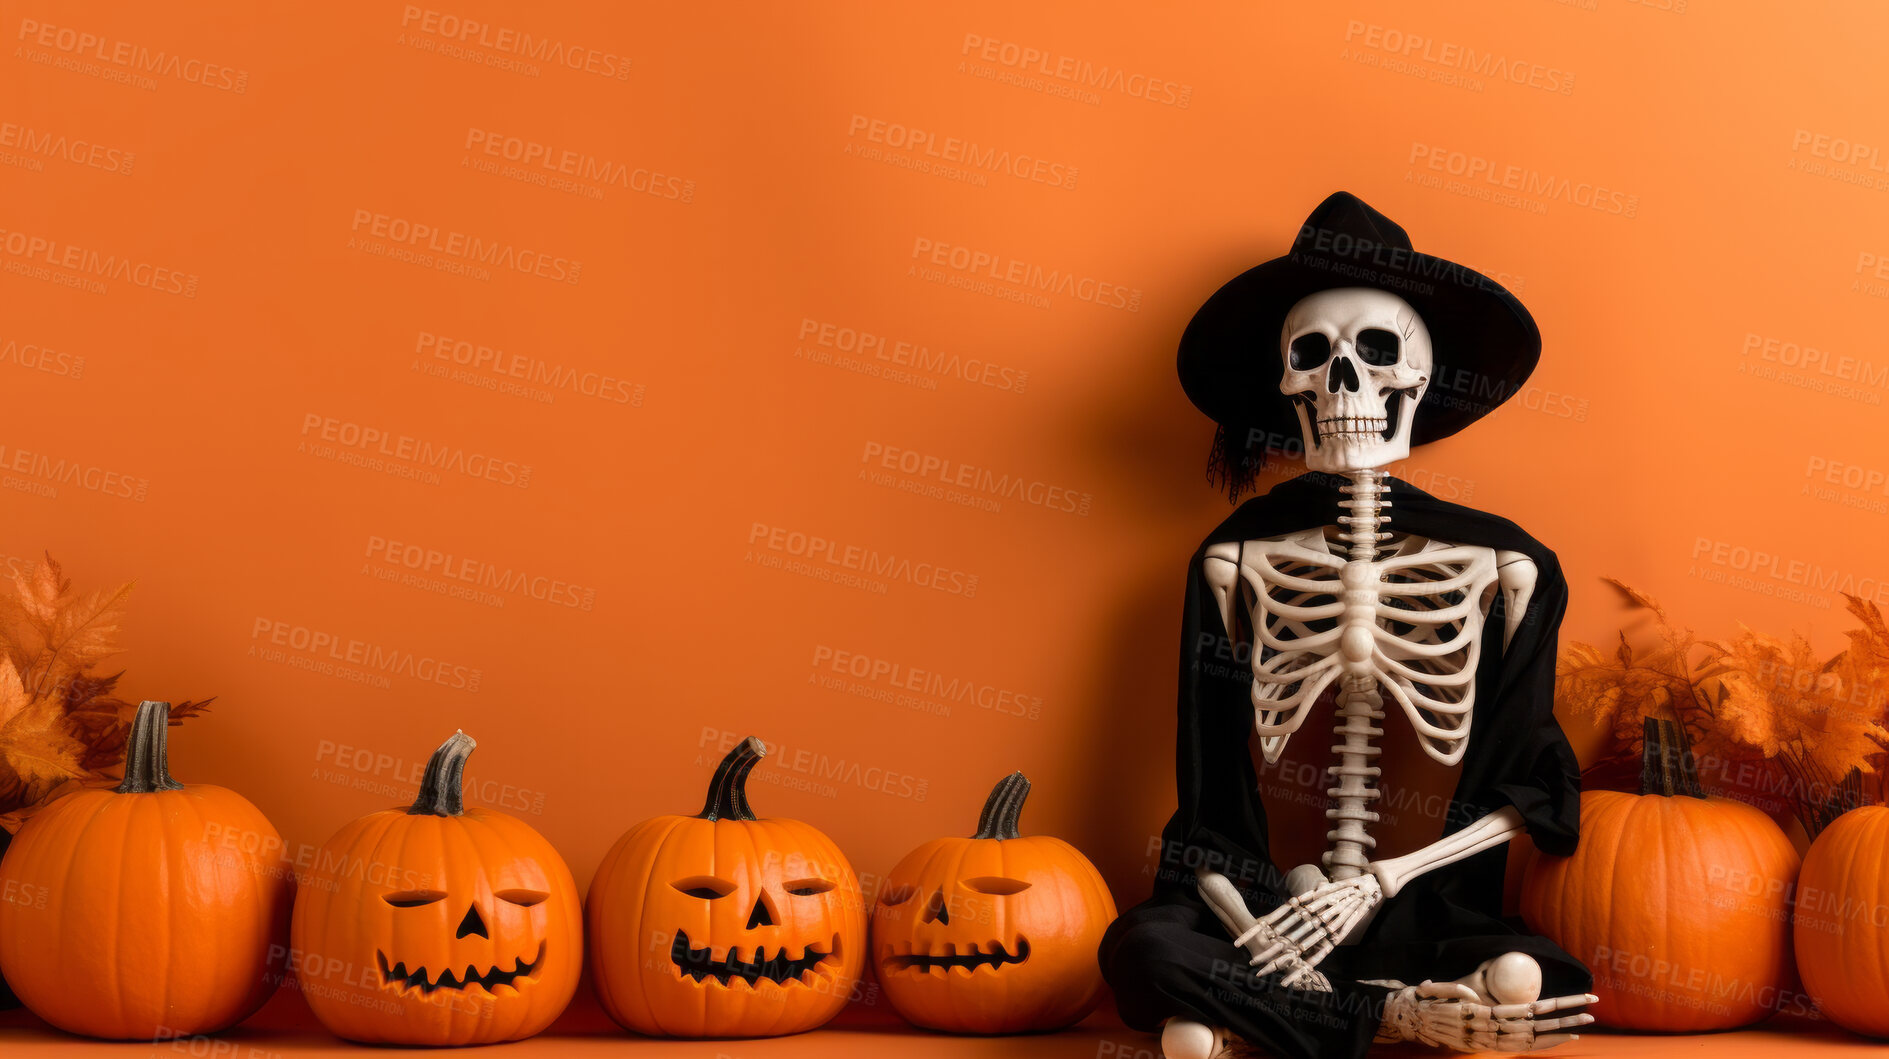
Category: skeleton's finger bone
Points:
column 1565, row 1022
column 1560, row 1003
column 1254, row 931
column 1277, row 949
column 1447, row 991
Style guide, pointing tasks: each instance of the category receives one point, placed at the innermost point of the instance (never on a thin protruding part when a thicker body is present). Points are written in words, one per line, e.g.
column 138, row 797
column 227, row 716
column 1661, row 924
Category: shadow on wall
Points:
column 1139, row 424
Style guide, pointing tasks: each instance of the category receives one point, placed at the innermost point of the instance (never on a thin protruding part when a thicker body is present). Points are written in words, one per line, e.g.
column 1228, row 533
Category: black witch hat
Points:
column 1483, row 340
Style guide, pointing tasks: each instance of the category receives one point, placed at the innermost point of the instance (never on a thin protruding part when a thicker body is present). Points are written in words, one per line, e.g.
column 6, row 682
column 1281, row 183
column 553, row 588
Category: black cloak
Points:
column 1169, row 956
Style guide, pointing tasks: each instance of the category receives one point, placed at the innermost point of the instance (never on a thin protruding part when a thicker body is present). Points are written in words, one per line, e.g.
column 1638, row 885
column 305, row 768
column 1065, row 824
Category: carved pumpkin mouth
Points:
column 994, row 957
column 419, row 979
column 778, row 968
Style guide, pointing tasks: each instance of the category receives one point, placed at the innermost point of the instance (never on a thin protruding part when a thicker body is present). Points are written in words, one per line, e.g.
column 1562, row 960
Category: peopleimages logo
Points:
column 564, row 162
column 824, row 552
column 323, row 646
column 76, row 150
column 941, row 147
column 96, row 264
column 529, row 372
column 1450, row 55
column 1486, row 172
column 471, row 32
column 434, row 562
column 42, row 475
column 975, row 264
column 1090, row 79
column 371, row 447
column 420, row 236
column 134, row 58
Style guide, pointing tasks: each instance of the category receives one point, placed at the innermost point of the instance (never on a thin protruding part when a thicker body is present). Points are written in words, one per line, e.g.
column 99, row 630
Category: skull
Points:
column 1357, row 361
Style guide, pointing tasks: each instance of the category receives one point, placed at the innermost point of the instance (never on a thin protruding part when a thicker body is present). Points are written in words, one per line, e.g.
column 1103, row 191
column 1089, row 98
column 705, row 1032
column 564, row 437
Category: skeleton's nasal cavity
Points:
column 1342, row 376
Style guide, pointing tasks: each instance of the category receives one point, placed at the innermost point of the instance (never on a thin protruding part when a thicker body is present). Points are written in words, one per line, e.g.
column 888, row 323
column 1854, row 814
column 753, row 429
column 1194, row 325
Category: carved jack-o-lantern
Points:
column 994, row 933
column 722, row 925
column 437, row 924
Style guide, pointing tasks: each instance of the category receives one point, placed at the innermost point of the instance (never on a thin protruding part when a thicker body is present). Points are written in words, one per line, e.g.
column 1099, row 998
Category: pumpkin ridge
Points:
column 651, row 889
column 1878, row 826
column 1859, row 849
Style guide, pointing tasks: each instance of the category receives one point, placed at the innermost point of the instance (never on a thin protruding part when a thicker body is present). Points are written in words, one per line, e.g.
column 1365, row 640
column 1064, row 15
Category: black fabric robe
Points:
column 1170, row 956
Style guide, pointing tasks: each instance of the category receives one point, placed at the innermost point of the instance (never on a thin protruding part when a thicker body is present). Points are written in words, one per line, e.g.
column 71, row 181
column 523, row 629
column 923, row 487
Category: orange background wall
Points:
column 1675, row 188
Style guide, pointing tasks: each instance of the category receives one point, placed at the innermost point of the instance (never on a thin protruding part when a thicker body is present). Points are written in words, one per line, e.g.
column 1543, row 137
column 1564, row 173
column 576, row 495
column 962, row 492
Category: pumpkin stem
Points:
column 1666, row 765
column 728, row 791
column 147, row 755
column 443, row 788
column 1003, row 807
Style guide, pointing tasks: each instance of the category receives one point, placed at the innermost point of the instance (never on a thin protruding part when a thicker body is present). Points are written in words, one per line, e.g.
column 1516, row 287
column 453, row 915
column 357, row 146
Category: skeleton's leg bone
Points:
column 1511, row 978
column 1187, row 1039
column 1496, row 1007
column 1304, row 878
column 1490, row 831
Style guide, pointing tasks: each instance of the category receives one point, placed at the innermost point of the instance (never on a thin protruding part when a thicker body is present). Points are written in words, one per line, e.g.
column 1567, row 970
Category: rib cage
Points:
column 1426, row 637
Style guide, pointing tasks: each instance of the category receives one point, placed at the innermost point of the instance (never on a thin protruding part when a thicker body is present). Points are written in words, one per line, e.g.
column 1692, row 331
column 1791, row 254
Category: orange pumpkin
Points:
column 995, row 933
column 724, row 925
column 1679, row 903
column 437, row 924
column 1842, row 931
column 156, row 909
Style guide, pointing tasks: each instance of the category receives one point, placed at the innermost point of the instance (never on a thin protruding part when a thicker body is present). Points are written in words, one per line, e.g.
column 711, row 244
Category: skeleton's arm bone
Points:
column 1225, row 900
column 1517, row 573
column 1490, row 831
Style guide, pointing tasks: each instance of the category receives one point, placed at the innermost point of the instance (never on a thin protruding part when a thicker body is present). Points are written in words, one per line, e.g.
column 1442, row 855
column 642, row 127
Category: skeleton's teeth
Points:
column 1352, row 425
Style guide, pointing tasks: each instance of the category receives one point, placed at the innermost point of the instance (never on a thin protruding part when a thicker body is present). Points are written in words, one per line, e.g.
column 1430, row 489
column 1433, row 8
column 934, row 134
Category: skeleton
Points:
column 1374, row 615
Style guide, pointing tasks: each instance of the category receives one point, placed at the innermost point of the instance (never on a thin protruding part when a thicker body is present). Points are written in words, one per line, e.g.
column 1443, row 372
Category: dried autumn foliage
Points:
column 1798, row 732
column 60, row 724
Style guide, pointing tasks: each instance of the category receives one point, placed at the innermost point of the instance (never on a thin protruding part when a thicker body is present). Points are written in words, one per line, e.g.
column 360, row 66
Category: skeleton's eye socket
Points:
column 706, row 887
column 1377, row 347
column 1309, row 350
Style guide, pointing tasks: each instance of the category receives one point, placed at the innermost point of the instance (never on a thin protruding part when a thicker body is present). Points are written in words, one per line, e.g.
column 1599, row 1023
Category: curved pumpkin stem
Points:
column 728, row 791
column 1003, row 808
column 147, row 755
column 443, row 788
column 1666, row 765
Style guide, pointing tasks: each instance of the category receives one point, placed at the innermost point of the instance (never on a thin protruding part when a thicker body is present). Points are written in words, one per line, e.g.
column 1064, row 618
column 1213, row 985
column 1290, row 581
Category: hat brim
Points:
column 1484, row 342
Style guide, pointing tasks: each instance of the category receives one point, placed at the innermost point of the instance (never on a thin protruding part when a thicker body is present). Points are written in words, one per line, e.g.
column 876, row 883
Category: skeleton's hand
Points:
column 1306, row 927
column 1452, row 1015
column 1295, row 972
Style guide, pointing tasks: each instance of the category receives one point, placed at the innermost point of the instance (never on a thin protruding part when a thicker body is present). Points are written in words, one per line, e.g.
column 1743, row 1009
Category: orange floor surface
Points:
column 285, row 1028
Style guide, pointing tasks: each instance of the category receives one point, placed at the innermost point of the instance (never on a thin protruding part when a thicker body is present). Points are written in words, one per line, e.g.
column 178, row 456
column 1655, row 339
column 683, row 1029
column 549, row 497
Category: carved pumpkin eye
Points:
column 897, row 895
column 808, row 887
column 527, row 898
column 706, row 887
column 996, row 885
column 413, row 898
